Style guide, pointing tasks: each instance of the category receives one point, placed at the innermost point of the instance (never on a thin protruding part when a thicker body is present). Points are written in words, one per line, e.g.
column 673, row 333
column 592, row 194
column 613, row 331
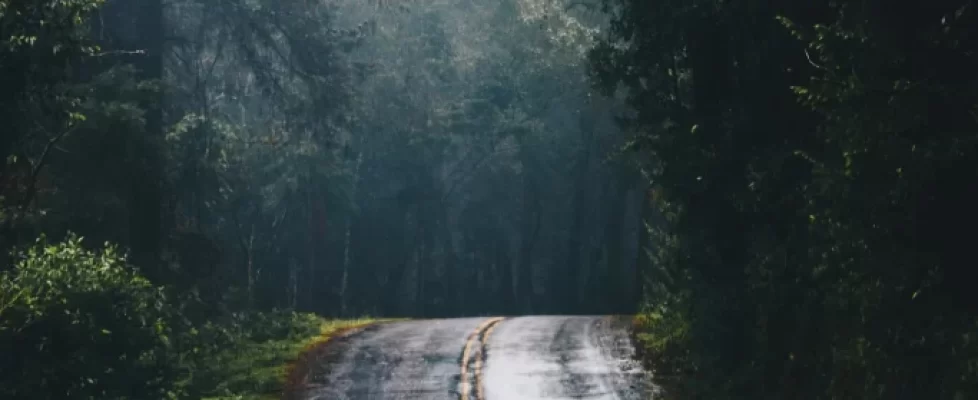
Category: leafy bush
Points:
column 276, row 324
column 82, row 324
column 254, row 352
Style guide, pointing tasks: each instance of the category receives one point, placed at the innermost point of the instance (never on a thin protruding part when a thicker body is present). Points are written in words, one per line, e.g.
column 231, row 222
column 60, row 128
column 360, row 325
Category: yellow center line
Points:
column 467, row 354
column 479, row 389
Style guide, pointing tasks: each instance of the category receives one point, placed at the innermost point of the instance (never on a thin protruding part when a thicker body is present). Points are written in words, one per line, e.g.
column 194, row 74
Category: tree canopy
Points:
column 783, row 192
column 813, row 172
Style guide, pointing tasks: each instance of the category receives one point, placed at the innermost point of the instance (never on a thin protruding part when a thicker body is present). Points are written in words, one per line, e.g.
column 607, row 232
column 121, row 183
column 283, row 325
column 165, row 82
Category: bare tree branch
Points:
column 812, row 62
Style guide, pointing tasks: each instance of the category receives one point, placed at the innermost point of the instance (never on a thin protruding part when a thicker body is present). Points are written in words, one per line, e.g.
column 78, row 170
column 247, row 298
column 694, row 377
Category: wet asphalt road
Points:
column 541, row 357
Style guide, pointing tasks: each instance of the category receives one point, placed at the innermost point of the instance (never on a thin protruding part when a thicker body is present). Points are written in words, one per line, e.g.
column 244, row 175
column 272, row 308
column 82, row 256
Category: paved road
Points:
column 545, row 357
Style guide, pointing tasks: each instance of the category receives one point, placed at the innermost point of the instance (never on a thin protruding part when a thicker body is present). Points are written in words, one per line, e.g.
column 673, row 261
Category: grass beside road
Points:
column 258, row 368
column 661, row 339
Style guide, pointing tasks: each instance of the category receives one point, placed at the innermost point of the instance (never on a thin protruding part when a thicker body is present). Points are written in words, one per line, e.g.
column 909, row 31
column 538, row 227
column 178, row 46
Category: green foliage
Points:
column 79, row 323
column 244, row 355
column 809, row 234
column 23, row 23
column 40, row 43
column 248, row 356
column 282, row 136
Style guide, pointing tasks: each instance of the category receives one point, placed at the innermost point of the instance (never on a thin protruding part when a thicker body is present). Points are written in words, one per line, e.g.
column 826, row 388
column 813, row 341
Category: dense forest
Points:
column 446, row 158
column 176, row 170
column 814, row 171
column 784, row 193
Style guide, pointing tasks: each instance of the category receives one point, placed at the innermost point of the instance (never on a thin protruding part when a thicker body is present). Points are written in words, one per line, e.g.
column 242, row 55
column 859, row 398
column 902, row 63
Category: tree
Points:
column 778, row 163
column 61, row 299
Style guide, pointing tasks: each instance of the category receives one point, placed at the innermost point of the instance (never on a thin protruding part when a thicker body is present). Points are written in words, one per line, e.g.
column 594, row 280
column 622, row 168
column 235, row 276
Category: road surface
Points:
column 541, row 357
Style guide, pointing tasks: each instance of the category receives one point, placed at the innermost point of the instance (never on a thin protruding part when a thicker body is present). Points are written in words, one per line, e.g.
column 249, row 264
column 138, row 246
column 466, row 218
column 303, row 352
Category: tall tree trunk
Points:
column 506, row 296
column 530, row 231
column 453, row 294
column 145, row 217
column 420, row 260
column 402, row 261
column 293, row 293
column 643, row 261
column 251, row 267
column 428, row 224
column 710, row 62
column 570, row 280
column 310, row 246
column 346, row 242
column 615, row 293
column 425, row 261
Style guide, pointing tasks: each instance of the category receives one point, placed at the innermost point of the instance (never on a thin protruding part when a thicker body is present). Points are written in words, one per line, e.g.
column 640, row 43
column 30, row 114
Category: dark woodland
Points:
column 781, row 193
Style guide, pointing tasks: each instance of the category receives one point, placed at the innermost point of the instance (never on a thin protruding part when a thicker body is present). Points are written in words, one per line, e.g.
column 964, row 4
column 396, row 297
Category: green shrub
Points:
column 245, row 353
column 276, row 324
column 82, row 324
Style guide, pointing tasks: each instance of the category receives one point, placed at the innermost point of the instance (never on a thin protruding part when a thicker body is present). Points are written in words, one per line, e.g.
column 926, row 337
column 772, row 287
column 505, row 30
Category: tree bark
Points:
column 251, row 267
column 615, row 293
column 531, row 223
column 310, row 245
column 145, row 216
column 506, row 296
column 643, row 261
column 570, row 280
column 346, row 243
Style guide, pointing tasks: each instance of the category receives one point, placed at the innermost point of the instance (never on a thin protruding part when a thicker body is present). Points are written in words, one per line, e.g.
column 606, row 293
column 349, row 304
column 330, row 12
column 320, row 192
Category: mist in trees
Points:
column 783, row 192
column 181, row 177
column 431, row 158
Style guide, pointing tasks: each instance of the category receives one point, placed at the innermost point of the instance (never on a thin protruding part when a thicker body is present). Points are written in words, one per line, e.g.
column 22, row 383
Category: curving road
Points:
column 542, row 357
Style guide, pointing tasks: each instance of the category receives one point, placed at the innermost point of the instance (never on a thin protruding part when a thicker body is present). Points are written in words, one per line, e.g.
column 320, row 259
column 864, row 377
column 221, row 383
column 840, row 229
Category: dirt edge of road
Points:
column 317, row 357
column 664, row 389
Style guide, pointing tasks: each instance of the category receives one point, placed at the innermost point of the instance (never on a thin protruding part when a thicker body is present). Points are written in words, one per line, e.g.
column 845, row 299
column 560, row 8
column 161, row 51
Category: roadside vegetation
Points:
column 210, row 155
column 785, row 192
column 240, row 169
column 813, row 170
column 83, row 324
column 260, row 364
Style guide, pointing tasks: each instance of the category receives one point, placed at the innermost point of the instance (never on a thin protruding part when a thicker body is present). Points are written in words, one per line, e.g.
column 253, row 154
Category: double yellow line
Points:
column 479, row 336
